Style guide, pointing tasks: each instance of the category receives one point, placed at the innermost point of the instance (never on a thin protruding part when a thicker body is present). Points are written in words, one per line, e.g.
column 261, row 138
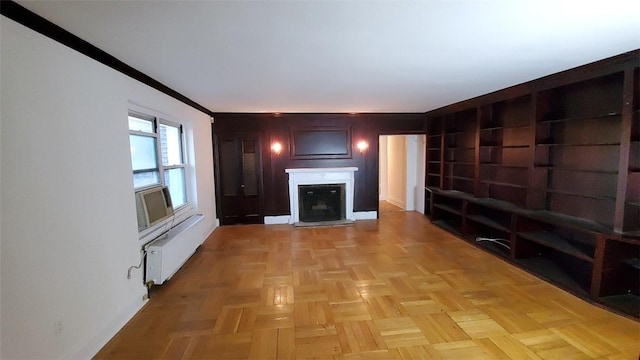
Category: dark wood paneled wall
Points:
column 279, row 127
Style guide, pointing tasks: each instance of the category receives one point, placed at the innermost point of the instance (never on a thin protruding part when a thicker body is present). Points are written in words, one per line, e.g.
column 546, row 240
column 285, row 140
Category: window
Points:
column 157, row 155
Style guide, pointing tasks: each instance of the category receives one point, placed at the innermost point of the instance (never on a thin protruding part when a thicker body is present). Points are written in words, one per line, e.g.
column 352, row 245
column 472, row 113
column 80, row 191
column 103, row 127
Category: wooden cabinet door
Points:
column 240, row 179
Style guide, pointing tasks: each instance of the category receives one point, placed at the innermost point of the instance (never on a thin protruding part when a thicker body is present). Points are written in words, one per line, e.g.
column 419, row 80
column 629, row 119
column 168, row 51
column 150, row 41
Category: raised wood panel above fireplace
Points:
column 321, row 142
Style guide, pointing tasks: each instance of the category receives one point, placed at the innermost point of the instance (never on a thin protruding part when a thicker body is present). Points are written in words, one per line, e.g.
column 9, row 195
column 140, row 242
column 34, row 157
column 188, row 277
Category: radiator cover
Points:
column 167, row 253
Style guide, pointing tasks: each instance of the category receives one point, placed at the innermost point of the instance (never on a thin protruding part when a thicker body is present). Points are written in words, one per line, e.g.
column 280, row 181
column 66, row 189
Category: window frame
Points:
column 154, row 134
column 156, row 121
column 182, row 165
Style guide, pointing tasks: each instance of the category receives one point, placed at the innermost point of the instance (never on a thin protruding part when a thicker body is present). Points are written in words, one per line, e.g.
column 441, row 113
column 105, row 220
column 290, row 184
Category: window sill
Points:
column 181, row 214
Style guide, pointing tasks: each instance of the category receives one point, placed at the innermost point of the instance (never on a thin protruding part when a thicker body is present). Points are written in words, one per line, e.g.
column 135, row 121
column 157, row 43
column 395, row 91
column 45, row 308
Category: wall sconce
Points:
column 362, row 146
column 276, row 147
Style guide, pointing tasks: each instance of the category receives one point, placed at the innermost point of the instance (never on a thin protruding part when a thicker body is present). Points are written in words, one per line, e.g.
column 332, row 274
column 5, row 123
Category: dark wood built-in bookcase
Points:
column 505, row 150
column 546, row 174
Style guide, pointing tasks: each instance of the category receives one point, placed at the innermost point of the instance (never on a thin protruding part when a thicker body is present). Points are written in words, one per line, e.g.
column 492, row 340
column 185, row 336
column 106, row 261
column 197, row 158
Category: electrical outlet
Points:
column 57, row 327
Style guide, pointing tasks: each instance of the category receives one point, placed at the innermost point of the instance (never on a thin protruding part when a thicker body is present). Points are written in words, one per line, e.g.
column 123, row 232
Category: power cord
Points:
column 143, row 253
column 495, row 241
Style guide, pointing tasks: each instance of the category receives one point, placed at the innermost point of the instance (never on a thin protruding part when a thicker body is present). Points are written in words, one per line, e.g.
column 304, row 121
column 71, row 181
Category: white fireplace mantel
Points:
column 319, row 176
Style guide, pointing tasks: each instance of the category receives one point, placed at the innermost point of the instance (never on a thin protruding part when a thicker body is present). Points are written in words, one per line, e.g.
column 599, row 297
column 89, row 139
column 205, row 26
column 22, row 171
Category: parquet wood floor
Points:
column 385, row 206
column 395, row 288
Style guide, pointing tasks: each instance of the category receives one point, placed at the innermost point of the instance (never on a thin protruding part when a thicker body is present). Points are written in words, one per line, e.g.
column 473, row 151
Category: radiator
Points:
column 167, row 253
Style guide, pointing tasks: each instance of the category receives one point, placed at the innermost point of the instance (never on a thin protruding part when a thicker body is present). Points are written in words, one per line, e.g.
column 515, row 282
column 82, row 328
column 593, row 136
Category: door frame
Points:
column 239, row 136
column 415, row 169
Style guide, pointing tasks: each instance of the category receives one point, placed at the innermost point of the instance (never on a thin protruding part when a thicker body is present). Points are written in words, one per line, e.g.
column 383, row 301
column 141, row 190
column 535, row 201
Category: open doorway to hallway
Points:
column 401, row 177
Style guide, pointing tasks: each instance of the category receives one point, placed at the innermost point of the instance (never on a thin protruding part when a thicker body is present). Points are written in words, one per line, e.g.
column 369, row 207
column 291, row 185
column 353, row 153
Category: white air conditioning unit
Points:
column 167, row 253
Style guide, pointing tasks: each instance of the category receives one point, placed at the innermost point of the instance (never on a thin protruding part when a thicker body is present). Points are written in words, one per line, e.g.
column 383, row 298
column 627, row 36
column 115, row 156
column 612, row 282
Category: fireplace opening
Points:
column 322, row 202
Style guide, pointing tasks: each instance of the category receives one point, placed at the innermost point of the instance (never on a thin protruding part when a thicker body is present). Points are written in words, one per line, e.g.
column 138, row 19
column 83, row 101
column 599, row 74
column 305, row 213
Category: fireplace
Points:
column 323, row 202
column 328, row 185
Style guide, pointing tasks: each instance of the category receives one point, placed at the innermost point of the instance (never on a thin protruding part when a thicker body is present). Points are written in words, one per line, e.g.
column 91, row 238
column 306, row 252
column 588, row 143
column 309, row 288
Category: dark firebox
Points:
column 325, row 202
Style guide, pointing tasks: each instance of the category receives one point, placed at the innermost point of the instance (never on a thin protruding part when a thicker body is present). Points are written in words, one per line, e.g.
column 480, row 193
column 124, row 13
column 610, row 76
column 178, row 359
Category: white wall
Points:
column 416, row 157
column 411, row 144
column 68, row 226
column 397, row 170
column 383, row 171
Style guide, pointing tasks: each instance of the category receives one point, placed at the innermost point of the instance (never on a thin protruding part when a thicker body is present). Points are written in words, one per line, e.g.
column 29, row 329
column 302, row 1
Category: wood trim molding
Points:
column 21, row 15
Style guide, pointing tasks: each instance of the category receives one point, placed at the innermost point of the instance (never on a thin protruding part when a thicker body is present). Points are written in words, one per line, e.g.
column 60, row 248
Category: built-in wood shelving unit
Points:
column 547, row 175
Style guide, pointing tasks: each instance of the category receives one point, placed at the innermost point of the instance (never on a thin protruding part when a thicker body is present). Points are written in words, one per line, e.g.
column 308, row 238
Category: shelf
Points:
column 481, row 219
column 460, row 148
column 455, row 194
column 504, row 166
column 631, row 235
column 500, row 205
column 592, row 144
column 628, row 304
column 569, row 193
column 489, row 182
column 491, row 128
column 572, row 169
column 595, row 117
column 555, row 242
column 449, row 226
column 505, row 146
column 634, row 263
column 573, row 222
column 549, row 271
column 459, row 163
column 448, row 208
column 461, row 178
column 517, row 126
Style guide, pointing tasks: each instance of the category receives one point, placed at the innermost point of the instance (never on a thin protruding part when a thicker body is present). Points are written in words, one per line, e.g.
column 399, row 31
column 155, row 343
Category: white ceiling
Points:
column 348, row 56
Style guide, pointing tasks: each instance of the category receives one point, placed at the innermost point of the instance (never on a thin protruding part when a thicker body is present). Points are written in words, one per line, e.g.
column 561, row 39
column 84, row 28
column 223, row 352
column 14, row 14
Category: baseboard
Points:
column 365, row 215
column 396, row 202
column 273, row 220
column 284, row 219
column 98, row 341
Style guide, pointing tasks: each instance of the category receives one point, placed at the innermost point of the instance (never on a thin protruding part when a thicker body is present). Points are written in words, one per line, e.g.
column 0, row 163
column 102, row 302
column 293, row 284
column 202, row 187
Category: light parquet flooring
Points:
column 385, row 206
column 395, row 288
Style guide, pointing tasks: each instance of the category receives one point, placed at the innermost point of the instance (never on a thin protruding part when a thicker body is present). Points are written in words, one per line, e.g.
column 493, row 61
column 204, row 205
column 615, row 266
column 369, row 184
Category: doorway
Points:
column 401, row 173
